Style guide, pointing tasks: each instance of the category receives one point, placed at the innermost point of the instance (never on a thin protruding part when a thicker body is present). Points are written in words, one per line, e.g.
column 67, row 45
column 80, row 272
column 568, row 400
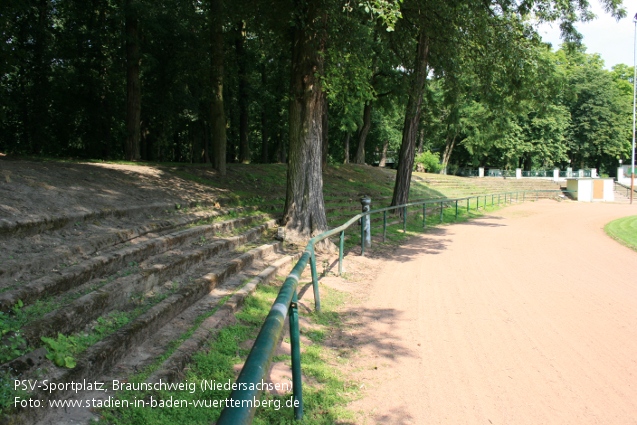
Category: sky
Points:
column 612, row 39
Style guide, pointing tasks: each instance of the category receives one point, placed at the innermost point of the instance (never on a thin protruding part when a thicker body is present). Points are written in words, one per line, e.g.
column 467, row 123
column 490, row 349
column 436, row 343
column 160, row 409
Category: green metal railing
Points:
column 245, row 397
column 620, row 187
column 537, row 173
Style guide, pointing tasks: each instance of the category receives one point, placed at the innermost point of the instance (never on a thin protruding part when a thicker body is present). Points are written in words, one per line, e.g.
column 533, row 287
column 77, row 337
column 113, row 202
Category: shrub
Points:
column 430, row 161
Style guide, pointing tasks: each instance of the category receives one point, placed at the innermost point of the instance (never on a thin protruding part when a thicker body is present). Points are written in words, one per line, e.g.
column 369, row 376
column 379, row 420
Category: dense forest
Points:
column 311, row 83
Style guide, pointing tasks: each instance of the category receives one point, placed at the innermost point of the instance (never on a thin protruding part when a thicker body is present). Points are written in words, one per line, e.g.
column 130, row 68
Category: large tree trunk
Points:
column 264, row 121
column 362, row 134
column 206, row 141
column 41, row 71
column 133, row 87
column 383, row 157
column 346, row 149
column 217, row 113
column 281, row 154
column 244, row 147
column 325, row 131
column 304, row 213
column 446, row 155
column 412, row 117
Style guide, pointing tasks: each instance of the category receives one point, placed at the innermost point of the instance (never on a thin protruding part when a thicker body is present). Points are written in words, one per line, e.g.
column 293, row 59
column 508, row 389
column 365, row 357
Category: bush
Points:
column 430, row 161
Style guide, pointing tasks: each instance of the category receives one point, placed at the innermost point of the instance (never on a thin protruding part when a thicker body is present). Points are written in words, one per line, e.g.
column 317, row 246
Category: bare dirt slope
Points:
column 32, row 190
column 526, row 316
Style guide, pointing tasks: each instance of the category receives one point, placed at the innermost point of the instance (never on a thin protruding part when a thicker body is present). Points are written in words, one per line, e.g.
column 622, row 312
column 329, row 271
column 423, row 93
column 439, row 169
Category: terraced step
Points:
column 26, row 257
column 73, row 310
column 152, row 272
column 108, row 262
column 161, row 286
column 149, row 335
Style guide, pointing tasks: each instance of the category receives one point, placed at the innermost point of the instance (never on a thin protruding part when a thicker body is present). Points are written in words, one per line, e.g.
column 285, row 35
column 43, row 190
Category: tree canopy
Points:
column 309, row 83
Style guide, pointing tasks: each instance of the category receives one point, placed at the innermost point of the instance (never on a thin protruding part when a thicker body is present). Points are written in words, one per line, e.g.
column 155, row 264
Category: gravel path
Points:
column 526, row 316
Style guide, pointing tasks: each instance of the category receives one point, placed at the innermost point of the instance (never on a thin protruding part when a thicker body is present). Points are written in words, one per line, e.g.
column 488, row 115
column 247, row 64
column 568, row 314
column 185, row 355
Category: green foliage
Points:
column 324, row 403
column 8, row 391
column 63, row 349
column 13, row 343
column 430, row 161
column 600, row 126
column 59, row 350
column 493, row 89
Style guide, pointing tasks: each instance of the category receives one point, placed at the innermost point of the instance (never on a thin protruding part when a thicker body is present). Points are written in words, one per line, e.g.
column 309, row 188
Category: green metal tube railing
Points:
column 317, row 297
column 295, row 351
column 405, row 219
column 341, row 247
column 384, row 228
column 244, row 398
column 255, row 369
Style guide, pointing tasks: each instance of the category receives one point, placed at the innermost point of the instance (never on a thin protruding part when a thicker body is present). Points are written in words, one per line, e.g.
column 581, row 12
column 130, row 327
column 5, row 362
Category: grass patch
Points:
column 623, row 230
column 324, row 401
column 14, row 345
column 395, row 234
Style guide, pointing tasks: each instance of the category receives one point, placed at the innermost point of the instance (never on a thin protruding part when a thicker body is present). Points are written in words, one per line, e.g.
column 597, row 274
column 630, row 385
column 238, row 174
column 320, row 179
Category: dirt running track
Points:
column 526, row 316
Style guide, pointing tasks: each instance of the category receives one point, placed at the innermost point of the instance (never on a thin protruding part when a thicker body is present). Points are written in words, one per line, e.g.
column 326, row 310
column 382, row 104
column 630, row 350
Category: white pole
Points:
column 632, row 174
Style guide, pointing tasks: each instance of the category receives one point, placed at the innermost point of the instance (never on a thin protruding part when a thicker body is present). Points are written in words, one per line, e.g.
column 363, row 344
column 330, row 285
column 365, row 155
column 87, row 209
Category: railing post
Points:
column 424, row 217
column 404, row 219
column 505, row 198
column 384, row 225
column 477, row 203
column 424, row 214
column 441, row 208
column 456, row 209
column 295, row 348
column 317, row 295
column 492, row 196
column 340, row 253
column 362, row 236
column 366, row 222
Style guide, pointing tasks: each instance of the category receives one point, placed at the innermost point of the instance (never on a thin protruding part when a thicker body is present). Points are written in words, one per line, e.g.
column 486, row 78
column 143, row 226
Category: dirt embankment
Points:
column 35, row 190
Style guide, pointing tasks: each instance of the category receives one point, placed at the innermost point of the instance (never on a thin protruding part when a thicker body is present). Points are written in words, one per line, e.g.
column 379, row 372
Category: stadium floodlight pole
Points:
column 632, row 170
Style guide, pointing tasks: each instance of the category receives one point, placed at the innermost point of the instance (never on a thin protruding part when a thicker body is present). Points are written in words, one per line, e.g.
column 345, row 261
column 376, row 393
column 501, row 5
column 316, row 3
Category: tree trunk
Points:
column 217, row 113
column 383, row 157
column 412, row 118
column 265, row 156
column 325, row 116
column 346, row 149
column 244, row 146
column 304, row 213
column 446, row 155
column 325, row 130
column 133, row 87
column 527, row 162
column 281, row 154
column 421, row 140
column 205, row 130
column 41, row 71
column 362, row 134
